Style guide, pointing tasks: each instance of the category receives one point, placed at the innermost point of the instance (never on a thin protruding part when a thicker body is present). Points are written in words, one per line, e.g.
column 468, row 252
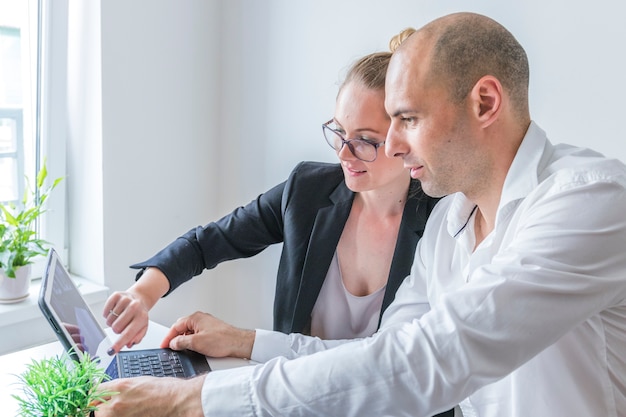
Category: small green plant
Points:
column 18, row 238
column 60, row 387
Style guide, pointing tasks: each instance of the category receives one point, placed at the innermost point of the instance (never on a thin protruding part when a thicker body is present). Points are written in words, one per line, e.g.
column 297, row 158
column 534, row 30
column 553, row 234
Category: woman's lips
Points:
column 353, row 171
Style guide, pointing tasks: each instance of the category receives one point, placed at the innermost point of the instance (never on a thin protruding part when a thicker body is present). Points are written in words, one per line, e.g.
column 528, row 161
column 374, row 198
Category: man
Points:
column 516, row 303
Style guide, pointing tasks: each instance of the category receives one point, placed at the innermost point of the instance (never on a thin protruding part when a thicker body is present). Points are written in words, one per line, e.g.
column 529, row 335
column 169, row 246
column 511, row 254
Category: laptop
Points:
column 78, row 330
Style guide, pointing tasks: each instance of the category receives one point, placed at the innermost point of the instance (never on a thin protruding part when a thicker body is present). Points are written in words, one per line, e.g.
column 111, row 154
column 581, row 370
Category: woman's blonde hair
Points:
column 371, row 69
column 397, row 40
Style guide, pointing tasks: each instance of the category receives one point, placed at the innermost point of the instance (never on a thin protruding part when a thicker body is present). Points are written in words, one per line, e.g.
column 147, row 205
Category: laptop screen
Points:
column 69, row 314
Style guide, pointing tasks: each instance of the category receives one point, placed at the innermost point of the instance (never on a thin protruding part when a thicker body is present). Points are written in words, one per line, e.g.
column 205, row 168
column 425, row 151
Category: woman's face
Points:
column 360, row 114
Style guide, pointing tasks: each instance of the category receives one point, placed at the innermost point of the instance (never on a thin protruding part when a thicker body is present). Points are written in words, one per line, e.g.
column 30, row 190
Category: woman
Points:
column 348, row 230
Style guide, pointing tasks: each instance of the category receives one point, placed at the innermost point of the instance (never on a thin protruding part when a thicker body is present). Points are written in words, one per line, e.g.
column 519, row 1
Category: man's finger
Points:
column 181, row 342
column 179, row 328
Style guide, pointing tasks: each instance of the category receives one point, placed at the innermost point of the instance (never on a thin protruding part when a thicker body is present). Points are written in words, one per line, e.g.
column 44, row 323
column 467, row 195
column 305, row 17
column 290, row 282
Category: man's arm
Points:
column 206, row 334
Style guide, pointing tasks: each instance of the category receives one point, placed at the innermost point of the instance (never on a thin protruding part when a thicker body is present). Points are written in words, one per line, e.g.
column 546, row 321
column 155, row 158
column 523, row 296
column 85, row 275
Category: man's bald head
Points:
column 464, row 47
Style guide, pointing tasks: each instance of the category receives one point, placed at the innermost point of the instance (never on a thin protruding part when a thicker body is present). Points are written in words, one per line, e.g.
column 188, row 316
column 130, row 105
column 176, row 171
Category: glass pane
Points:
column 8, row 179
column 11, row 68
column 16, row 109
column 8, row 135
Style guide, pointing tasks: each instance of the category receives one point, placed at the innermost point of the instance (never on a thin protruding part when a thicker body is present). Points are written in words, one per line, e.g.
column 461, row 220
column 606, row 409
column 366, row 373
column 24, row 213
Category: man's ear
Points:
column 487, row 98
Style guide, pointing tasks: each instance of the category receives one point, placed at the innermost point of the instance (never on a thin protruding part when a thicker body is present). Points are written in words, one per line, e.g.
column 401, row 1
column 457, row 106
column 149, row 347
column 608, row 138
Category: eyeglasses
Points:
column 362, row 149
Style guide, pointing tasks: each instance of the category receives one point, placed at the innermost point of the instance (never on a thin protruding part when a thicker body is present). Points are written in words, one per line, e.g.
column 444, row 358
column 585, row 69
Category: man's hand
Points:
column 210, row 336
column 152, row 396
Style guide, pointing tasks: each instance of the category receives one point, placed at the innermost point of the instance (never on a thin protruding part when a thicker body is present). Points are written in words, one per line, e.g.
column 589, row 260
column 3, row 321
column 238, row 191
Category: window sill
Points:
column 25, row 323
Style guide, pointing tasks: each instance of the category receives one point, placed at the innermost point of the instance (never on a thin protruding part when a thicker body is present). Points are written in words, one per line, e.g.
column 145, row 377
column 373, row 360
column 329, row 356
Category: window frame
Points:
column 53, row 116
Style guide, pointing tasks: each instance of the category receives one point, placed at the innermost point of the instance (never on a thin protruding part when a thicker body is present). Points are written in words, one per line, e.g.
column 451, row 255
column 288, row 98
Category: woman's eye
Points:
column 368, row 140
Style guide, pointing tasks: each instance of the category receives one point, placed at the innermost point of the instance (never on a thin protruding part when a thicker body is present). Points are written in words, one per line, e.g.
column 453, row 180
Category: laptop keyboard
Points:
column 156, row 364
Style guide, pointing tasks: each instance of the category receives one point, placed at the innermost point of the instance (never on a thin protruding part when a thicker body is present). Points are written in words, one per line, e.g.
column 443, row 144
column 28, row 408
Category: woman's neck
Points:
column 387, row 201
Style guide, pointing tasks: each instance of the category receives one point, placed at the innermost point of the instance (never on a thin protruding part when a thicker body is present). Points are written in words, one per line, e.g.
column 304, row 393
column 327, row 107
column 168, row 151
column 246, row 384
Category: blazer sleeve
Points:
column 243, row 233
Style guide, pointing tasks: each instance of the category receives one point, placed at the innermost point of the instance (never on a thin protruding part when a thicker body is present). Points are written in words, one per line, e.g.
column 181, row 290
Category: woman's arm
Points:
column 245, row 232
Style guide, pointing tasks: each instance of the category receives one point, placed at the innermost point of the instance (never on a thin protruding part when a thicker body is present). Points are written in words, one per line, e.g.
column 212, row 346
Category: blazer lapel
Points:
column 414, row 218
column 325, row 235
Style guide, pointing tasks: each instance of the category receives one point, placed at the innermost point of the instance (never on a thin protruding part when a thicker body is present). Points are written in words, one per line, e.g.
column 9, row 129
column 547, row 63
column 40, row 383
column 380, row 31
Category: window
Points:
column 23, row 139
column 16, row 78
column 33, row 123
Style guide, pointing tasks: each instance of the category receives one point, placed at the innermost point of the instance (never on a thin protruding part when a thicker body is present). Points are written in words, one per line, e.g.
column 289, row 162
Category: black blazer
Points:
column 307, row 214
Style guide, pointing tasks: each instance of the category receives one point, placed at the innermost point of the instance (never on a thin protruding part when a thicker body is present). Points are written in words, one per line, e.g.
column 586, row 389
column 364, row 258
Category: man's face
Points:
column 434, row 136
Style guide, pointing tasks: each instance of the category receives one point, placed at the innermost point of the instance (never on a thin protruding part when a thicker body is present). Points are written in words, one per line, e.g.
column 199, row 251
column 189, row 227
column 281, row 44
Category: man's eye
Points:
column 409, row 120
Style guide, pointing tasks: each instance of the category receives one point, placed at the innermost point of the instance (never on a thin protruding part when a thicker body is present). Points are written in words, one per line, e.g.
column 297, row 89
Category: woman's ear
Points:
column 487, row 98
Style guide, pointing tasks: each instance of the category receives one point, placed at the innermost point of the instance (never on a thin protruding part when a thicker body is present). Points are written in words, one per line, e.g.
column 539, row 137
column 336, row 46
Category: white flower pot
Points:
column 15, row 289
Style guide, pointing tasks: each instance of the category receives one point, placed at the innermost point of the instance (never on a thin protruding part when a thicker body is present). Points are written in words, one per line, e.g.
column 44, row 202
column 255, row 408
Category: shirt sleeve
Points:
column 226, row 393
column 367, row 377
column 272, row 344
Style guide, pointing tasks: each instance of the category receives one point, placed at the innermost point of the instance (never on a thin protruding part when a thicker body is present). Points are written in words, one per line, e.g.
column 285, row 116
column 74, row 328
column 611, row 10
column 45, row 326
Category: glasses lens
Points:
column 363, row 150
column 333, row 138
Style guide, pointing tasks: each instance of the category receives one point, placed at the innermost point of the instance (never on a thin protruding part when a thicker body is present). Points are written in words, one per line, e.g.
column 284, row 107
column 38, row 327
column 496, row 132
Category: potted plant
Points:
column 19, row 243
column 60, row 387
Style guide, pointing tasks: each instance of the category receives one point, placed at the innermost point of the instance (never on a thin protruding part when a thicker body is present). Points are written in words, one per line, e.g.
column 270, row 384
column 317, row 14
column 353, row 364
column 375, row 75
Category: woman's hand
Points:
column 203, row 333
column 127, row 315
column 126, row 312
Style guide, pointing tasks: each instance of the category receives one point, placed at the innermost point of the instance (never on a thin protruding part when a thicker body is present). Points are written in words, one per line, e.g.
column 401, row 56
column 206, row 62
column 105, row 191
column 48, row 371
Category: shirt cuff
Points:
column 227, row 393
column 270, row 344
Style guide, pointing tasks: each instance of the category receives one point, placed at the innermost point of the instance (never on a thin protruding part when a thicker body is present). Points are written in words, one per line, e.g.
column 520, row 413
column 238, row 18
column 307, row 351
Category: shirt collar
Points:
column 459, row 214
column 523, row 175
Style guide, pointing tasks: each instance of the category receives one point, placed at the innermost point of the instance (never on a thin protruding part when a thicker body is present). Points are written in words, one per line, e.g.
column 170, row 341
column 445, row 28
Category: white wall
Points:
column 205, row 104
column 160, row 90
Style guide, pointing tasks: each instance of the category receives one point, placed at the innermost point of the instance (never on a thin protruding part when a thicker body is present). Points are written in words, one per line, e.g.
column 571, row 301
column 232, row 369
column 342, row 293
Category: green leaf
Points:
column 41, row 176
column 56, row 182
column 10, row 219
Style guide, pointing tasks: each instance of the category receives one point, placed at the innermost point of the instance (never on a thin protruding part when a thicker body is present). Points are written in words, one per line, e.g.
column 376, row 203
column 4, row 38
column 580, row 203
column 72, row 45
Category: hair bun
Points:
column 397, row 40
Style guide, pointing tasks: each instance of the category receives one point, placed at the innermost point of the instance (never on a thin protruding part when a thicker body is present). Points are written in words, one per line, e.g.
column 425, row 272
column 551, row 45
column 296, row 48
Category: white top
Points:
column 338, row 314
column 532, row 323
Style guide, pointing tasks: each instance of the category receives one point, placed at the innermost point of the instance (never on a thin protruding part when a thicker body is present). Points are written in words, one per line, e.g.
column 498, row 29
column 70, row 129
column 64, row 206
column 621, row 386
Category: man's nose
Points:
column 393, row 142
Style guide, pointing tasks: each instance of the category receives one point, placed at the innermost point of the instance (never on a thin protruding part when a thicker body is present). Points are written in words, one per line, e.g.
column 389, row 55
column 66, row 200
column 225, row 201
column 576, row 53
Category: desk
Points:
column 15, row 363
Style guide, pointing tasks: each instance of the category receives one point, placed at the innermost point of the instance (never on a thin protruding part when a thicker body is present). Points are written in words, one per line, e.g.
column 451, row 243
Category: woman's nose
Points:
column 345, row 153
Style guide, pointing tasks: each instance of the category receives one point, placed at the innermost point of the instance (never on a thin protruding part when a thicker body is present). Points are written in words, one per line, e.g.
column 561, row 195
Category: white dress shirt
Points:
column 531, row 323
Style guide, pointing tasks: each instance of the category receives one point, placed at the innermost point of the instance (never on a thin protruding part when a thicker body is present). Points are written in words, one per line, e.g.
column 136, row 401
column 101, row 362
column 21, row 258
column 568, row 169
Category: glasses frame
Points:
column 350, row 142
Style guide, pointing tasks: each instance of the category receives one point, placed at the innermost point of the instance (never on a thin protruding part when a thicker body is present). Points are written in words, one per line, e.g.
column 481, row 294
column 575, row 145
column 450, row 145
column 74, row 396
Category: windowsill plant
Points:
column 19, row 242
